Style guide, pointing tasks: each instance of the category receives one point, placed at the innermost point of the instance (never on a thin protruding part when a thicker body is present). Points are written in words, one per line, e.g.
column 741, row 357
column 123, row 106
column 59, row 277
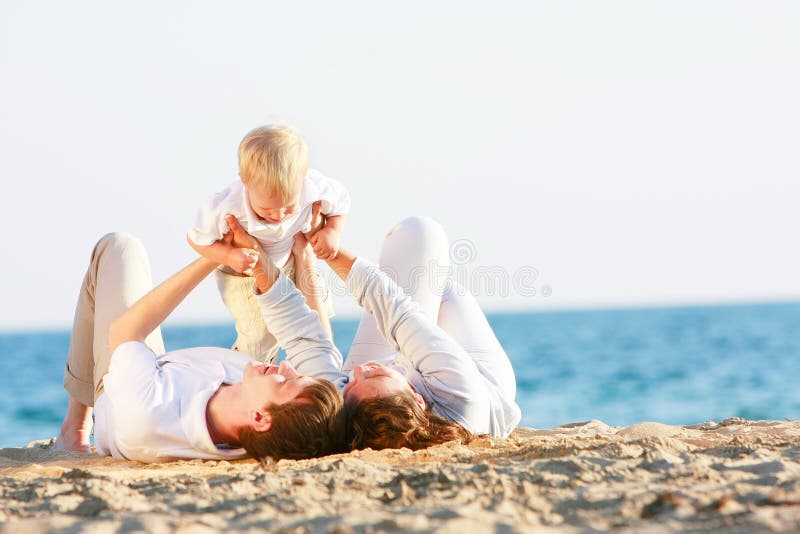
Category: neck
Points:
column 222, row 417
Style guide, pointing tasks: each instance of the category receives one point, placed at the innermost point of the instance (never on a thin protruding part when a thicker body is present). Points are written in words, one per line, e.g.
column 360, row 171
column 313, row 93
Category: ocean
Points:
column 673, row 365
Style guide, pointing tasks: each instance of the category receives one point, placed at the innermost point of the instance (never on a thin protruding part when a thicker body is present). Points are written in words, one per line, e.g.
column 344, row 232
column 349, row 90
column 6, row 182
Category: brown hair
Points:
column 397, row 421
column 306, row 429
column 274, row 159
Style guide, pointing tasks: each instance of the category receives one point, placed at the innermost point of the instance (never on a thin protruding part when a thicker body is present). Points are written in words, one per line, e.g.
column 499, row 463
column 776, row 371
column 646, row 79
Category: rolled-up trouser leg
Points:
column 118, row 275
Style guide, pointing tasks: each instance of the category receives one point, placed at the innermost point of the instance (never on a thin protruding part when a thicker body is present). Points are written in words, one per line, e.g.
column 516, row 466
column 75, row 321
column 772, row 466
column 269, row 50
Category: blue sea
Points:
column 673, row 365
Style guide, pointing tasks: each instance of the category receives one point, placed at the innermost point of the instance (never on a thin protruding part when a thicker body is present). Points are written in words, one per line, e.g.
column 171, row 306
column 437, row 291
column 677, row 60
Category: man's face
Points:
column 272, row 208
column 267, row 385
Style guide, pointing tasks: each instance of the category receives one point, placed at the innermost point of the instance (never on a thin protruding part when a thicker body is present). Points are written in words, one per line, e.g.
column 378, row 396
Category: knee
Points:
column 419, row 227
column 119, row 241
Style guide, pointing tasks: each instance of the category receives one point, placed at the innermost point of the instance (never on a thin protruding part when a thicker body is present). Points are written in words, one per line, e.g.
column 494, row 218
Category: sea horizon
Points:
column 676, row 365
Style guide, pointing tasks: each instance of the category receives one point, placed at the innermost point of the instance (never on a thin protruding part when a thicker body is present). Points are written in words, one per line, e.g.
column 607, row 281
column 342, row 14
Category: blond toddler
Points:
column 273, row 200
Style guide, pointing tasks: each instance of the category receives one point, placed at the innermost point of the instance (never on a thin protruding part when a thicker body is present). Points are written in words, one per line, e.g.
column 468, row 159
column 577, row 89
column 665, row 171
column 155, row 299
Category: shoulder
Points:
column 317, row 186
column 132, row 354
column 231, row 195
column 209, row 221
column 322, row 182
column 313, row 176
column 226, row 199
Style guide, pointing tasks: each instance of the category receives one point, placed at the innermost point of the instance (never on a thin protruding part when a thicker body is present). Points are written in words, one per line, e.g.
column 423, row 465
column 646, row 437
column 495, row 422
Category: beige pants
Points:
column 253, row 336
column 118, row 276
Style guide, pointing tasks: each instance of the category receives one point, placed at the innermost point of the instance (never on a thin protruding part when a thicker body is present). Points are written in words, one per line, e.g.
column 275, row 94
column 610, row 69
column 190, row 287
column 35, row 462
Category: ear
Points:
column 420, row 400
column 260, row 421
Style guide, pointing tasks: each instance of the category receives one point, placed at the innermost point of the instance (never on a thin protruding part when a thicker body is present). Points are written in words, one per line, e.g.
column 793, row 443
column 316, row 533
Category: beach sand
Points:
column 733, row 475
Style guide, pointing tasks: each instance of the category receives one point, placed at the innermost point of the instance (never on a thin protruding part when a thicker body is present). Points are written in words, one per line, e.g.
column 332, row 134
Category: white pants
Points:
column 118, row 276
column 415, row 254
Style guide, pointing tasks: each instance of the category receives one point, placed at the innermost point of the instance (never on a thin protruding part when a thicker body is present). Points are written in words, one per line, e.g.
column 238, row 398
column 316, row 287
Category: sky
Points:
column 579, row 154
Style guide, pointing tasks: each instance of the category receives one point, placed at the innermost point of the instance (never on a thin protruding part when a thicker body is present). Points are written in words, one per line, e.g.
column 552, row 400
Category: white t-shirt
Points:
column 457, row 386
column 153, row 408
column 276, row 238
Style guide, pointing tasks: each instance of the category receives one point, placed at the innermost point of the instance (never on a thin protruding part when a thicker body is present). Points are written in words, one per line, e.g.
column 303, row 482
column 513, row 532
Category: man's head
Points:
column 292, row 416
column 272, row 163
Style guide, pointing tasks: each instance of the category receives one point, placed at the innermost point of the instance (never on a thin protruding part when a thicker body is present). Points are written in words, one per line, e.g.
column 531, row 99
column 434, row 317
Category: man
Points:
column 202, row 402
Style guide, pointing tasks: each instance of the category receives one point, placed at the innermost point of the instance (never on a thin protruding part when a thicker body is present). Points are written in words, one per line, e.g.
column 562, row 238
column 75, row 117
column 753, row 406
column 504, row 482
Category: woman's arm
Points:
column 342, row 263
column 451, row 377
column 309, row 348
column 151, row 310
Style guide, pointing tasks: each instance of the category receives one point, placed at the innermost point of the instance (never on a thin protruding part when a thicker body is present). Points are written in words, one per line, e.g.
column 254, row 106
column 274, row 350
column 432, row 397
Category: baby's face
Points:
column 271, row 208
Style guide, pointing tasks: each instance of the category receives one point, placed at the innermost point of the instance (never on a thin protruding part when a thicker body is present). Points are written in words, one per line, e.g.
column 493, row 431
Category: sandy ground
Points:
column 735, row 475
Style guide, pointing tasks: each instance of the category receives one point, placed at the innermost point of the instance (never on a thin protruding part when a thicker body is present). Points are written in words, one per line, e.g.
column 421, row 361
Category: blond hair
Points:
column 274, row 159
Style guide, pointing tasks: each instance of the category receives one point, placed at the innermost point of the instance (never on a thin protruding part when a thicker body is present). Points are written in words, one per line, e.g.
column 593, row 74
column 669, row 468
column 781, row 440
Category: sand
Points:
column 733, row 475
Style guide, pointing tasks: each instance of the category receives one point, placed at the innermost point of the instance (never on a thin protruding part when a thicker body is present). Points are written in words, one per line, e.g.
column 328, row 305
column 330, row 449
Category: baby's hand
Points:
column 325, row 243
column 242, row 260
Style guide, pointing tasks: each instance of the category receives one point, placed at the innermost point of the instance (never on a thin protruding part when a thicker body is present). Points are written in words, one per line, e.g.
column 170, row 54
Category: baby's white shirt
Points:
column 277, row 238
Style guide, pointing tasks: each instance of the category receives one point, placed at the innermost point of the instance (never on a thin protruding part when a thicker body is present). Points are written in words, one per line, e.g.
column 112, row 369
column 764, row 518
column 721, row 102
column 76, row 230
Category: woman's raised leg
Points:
column 415, row 254
column 462, row 319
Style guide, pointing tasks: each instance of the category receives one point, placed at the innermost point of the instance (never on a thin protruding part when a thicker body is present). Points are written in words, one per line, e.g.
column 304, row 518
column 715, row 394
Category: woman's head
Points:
column 373, row 380
column 384, row 412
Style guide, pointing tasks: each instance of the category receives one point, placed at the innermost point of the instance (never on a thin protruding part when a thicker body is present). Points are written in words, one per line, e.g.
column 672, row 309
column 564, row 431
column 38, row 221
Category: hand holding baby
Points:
column 244, row 251
column 325, row 243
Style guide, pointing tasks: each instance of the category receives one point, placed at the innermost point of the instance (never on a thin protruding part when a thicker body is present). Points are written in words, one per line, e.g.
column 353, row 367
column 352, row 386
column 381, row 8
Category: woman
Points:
column 426, row 366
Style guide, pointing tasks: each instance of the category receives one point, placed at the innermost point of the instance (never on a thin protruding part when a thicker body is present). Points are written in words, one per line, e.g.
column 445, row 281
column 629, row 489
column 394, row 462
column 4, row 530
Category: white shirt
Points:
column 153, row 408
column 457, row 386
column 276, row 238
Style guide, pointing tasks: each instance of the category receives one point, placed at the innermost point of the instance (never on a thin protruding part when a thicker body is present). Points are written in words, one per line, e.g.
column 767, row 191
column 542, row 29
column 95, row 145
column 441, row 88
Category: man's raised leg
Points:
column 118, row 275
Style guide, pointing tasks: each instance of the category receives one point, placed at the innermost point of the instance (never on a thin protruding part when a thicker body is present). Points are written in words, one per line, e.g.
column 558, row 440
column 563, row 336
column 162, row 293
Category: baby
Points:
column 273, row 201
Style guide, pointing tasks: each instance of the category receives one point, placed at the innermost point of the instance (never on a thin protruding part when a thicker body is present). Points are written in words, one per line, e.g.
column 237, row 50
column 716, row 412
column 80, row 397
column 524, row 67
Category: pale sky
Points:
column 633, row 153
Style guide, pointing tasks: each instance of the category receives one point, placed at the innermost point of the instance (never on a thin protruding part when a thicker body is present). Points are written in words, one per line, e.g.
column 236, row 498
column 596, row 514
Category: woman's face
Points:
column 371, row 380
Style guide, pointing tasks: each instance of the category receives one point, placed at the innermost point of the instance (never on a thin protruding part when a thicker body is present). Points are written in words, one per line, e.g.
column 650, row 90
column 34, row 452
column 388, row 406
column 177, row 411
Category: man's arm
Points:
column 240, row 259
column 309, row 348
column 151, row 310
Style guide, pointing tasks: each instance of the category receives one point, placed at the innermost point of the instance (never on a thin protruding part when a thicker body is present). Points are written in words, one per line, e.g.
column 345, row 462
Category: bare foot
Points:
column 76, row 428
column 77, row 441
